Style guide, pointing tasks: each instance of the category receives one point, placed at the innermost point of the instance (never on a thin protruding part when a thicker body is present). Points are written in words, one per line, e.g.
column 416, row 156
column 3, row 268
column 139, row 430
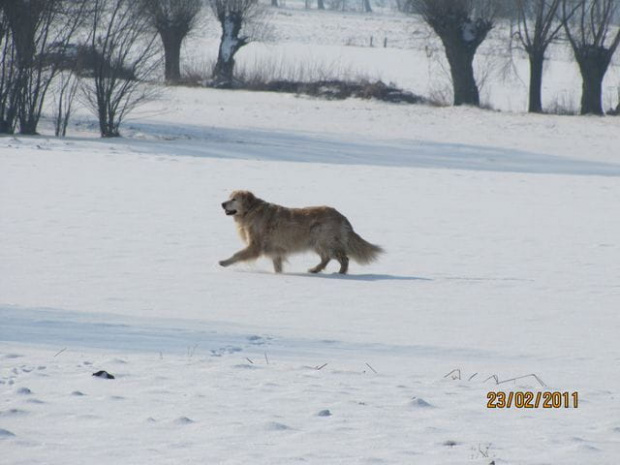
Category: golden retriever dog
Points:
column 276, row 232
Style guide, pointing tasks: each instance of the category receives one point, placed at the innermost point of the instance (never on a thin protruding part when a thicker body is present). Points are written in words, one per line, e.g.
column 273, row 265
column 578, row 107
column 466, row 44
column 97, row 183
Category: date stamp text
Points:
column 530, row 399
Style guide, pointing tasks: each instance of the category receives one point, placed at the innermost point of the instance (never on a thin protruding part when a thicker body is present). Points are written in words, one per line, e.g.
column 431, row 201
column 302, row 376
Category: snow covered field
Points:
column 502, row 262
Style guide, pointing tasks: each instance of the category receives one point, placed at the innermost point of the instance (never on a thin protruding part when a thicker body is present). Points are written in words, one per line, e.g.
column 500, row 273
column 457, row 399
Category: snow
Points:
column 469, row 31
column 502, row 265
column 229, row 41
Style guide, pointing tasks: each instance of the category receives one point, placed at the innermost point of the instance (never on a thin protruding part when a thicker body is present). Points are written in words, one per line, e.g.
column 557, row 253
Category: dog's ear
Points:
column 248, row 198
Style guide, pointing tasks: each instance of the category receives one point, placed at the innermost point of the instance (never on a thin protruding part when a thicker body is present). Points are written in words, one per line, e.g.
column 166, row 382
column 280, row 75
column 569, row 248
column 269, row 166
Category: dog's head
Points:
column 238, row 203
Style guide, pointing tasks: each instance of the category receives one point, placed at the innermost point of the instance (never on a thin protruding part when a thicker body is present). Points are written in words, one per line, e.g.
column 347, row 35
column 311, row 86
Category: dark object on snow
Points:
column 336, row 89
column 103, row 374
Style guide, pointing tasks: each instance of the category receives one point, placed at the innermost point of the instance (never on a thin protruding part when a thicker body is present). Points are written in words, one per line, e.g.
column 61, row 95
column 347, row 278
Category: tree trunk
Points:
column 108, row 128
column 107, row 125
column 223, row 73
column 172, row 54
column 367, row 7
column 6, row 127
column 461, row 37
column 536, row 72
column 9, row 116
column 274, row 3
column 321, row 4
column 28, row 125
column 229, row 46
column 461, row 61
column 591, row 94
column 593, row 63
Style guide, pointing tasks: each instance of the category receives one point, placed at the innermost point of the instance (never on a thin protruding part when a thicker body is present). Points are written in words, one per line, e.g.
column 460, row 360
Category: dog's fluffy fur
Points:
column 276, row 232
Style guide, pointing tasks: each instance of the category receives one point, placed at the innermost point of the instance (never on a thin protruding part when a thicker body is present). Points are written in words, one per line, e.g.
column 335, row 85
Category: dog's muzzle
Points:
column 228, row 211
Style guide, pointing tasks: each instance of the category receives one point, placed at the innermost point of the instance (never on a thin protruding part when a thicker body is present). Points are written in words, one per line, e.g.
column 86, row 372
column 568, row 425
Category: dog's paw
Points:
column 224, row 263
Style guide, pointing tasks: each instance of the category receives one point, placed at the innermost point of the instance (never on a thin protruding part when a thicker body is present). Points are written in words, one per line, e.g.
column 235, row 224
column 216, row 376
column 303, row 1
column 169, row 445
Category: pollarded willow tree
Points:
column 594, row 37
column 236, row 18
column 173, row 20
column 538, row 26
column 462, row 25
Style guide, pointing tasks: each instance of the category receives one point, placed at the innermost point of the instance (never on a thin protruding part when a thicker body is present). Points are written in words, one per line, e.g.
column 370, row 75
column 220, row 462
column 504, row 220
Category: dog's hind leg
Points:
column 277, row 264
column 321, row 266
column 342, row 258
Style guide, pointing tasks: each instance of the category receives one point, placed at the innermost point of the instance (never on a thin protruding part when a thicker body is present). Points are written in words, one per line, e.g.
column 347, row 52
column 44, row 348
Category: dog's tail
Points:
column 361, row 250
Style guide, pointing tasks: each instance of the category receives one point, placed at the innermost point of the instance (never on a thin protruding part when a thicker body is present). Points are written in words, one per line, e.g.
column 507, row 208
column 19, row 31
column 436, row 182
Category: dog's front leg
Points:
column 249, row 253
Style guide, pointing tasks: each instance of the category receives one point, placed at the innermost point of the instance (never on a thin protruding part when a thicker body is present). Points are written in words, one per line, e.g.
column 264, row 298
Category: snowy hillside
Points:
column 501, row 274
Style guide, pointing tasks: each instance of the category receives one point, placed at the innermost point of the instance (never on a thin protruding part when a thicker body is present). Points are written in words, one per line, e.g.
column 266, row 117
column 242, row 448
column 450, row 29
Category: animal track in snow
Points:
column 6, row 434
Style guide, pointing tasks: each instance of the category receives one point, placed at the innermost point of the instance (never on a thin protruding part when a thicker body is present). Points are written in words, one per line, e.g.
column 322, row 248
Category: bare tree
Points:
column 35, row 25
column 589, row 27
column 68, row 84
column 462, row 25
column 538, row 26
column 173, row 20
column 123, row 57
column 8, row 71
column 235, row 18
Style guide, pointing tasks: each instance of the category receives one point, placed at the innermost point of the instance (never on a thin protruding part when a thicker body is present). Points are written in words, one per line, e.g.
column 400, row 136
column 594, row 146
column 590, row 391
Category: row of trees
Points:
column 37, row 45
column 112, row 44
column 591, row 27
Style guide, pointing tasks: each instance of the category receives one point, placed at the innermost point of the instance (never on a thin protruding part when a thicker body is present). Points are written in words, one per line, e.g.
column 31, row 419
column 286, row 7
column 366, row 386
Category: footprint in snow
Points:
column 418, row 402
column 13, row 412
column 275, row 426
column 245, row 366
column 35, row 401
column 184, row 421
column 24, row 391
column 5, row 434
